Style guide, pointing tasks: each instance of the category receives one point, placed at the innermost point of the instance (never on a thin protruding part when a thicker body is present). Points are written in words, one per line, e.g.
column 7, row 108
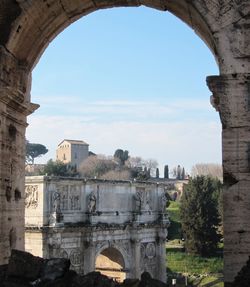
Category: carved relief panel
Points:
column 142, row 200
column 148, row 257
column 76, row 257
column 74, row 197
column 31, row 196
column 64, row 197
column 69, row 197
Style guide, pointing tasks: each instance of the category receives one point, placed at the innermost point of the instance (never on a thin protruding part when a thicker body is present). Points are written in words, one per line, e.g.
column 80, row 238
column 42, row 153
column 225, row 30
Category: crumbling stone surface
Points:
column 25, row 270
column 24, row 265
column 54, row 268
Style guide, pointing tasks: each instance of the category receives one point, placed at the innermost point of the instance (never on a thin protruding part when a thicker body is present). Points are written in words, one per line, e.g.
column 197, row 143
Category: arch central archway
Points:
column 29, row 26
column 110, row 262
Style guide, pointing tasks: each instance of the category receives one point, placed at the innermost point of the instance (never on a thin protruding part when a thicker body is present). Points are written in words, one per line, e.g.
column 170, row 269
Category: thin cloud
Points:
column 120, row 110
column 169, row 143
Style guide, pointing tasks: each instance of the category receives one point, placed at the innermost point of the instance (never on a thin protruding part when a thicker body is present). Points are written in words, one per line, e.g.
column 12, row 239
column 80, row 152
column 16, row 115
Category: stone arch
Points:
column 119, row 247
column 30, row 35
column 111, row 261
column 27, row 29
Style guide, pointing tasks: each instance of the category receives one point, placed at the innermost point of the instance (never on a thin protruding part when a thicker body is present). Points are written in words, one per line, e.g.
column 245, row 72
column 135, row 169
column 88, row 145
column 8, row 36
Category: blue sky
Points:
column 131, row 78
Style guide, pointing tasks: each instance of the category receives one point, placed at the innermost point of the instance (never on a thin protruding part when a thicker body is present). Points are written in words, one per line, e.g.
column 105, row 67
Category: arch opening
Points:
column 109, row 268
column 50, row 20
column 110, row 262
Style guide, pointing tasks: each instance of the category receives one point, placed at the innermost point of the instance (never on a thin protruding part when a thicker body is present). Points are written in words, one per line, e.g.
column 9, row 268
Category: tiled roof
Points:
column 74, row 142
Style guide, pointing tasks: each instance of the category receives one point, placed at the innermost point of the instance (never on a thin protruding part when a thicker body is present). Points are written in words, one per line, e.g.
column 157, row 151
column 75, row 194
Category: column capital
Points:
column 15, row 85
column 231, row 98
column 13, row 100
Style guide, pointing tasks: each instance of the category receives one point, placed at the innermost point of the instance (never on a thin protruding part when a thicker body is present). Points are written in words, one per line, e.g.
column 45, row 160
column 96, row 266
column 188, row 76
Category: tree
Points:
column 183, row 175
column 157, row 173
column 151, row 165
column 121, row 155
column 211, row 169
column 199, row 215
column 34, row 150
column 134, row 162
column 117, row 175
column 56, row 168
column 177, row 172
column 166, row 172
column 97, row 166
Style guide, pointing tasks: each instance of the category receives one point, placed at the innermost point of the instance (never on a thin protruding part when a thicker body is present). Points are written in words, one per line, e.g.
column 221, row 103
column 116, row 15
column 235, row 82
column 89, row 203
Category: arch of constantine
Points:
column 28, row 26
column 116, row 227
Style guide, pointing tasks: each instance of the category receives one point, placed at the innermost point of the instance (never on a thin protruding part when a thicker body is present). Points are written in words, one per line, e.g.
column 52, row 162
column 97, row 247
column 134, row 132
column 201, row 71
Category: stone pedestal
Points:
column 232, row 99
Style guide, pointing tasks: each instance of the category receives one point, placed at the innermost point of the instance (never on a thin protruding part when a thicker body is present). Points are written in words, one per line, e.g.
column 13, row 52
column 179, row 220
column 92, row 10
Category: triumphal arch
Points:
column 28, row 26
column 116, row 227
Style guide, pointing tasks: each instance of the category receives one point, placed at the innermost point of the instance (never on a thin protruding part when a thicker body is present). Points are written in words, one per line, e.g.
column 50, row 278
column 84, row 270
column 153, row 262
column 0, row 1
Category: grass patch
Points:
column 174, row 231
column 174, row 205
column 199, row 270
column 205, row 281
column 216, row 281
column 180, row 262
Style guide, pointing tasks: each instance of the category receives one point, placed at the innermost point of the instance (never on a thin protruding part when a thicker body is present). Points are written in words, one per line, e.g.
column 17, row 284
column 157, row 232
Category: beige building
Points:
column 72, row 152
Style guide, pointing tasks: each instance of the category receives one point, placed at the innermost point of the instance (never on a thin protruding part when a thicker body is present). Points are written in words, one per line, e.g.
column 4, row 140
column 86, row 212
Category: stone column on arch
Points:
column 15, row 106
column 89, row 256
column 231, row 98
column 136, row 253
column 161, row 255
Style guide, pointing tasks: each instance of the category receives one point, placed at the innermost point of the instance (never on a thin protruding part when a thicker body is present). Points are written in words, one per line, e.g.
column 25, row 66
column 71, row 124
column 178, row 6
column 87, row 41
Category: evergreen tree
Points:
column 166, row 172
column 149, row 172
column 183, row 175
column 34, row 150
column 199, row 215
column 157, row 173
column 58, row 168
column 178, row 172
column 121, row 155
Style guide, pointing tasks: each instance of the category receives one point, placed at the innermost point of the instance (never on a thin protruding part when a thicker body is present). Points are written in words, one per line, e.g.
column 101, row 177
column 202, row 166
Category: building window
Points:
column 75, row 155
column 64, row 157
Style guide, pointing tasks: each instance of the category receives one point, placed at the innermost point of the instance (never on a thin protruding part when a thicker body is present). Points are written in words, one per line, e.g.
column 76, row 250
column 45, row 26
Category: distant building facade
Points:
column 72, row 152
column 116, row 227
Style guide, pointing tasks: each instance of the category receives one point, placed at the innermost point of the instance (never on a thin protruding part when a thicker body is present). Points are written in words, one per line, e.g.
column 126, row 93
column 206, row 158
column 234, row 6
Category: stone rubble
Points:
column 26, row 270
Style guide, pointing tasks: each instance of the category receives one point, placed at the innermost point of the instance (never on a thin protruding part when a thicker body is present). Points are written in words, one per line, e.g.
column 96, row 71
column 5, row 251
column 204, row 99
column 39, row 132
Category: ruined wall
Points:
column 27, row 27
column 14, row 108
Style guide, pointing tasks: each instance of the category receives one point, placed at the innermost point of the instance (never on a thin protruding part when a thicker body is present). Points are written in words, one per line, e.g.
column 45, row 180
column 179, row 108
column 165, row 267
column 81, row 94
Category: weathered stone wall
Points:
column 97, row 201
column 231, row 99
column 142, row 248
column 14, row 108
column 28, row 26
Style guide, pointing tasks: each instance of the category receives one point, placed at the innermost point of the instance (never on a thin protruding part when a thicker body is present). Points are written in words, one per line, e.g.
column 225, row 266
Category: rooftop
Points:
column 74, row 142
